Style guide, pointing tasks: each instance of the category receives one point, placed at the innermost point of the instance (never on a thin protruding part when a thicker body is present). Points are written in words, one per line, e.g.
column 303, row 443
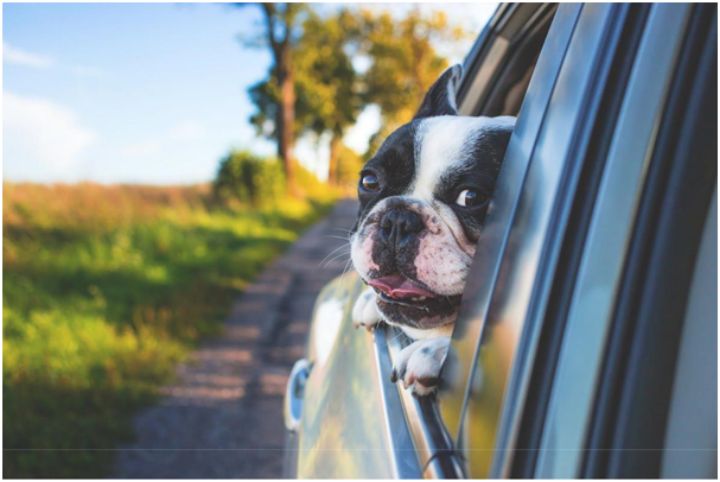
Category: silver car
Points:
column 587, row 340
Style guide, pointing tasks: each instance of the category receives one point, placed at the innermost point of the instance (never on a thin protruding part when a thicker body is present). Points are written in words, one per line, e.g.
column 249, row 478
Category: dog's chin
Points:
column 425, row 312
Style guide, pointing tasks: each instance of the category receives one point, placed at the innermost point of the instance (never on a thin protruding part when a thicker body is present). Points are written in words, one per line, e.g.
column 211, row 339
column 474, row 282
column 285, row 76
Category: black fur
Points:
column 397, row 255
column 399, row 227
column 479, row 171
column 440, row 98
column 393, row 164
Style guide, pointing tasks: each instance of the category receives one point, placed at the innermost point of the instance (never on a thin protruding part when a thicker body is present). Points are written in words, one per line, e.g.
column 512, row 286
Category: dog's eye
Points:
column 369, row 182
column 468, row 198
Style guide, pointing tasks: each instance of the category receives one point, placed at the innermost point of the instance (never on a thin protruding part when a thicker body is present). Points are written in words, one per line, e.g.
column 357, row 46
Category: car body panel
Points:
column 346, row 430
column 484, row 271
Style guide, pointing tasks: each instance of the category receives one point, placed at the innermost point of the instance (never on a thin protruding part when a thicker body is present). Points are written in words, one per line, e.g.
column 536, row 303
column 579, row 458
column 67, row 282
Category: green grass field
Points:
column 105, row 289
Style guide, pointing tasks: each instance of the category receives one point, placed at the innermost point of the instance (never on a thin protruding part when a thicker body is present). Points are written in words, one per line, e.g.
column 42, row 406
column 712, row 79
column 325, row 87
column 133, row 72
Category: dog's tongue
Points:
column 397, row 286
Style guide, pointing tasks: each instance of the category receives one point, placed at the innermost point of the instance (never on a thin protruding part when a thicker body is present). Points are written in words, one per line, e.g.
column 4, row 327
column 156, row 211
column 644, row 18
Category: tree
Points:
column 327, row 84
column 329, row 92
column 404, row 62
column 275, row 98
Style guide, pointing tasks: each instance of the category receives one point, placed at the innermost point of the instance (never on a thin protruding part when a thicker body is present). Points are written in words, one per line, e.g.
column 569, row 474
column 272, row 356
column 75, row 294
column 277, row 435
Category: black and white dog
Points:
column 423, row 199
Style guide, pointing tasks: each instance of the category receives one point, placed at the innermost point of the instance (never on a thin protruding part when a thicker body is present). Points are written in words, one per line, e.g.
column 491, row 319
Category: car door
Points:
column 557, row 369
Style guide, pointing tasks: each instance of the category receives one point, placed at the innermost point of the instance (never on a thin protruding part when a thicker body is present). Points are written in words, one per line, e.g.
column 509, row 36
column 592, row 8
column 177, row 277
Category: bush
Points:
column 245, row 179
column 249, row 179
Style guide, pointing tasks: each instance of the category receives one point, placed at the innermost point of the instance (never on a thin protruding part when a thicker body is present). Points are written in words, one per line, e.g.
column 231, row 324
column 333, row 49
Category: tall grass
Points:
column 105, row 289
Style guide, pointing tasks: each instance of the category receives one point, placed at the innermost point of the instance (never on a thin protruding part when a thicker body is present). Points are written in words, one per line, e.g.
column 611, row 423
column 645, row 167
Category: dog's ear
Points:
column 441, row 98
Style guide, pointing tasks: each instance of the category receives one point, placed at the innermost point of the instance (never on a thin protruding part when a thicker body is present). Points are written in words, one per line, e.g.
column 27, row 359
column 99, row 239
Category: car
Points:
column 586, row 345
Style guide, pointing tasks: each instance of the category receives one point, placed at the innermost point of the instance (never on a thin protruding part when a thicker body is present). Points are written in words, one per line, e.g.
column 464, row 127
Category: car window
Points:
column 496, row 74
column 530, row 254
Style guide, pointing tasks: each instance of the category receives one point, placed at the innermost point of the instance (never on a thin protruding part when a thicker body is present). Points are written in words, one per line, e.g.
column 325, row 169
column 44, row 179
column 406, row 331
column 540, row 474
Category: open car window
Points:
column 496, row 75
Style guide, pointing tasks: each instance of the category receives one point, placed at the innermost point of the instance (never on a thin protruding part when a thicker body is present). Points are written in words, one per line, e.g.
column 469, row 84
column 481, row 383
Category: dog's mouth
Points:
column 397, row 287
column 409, row 302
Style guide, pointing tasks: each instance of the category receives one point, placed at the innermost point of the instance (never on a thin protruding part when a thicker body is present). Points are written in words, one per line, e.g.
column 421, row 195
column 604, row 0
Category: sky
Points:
column 147, row 93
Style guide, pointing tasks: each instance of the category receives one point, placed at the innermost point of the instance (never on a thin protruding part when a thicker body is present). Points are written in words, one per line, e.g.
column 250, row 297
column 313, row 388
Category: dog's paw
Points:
column 365, row 311
column 419, row 364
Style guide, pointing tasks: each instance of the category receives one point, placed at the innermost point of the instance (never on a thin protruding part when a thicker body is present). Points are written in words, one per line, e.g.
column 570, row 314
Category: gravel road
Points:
column 222, row 418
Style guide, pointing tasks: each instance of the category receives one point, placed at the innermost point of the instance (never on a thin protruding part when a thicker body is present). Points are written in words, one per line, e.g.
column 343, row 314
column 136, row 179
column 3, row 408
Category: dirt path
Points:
column 223, row 416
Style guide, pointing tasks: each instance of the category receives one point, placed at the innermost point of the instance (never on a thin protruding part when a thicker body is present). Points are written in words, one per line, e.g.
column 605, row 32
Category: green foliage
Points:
column 248, row 178
column 404, row 61
column 281, row 33
column 326, row 83
column 105, row 290
column 330, row 91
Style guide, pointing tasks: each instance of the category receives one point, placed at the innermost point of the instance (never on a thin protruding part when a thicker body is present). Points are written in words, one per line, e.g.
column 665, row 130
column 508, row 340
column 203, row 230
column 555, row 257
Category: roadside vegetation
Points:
column 105, row 289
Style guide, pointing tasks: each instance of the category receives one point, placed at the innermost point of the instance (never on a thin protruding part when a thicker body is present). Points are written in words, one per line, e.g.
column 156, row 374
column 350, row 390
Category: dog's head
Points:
column 423, row 199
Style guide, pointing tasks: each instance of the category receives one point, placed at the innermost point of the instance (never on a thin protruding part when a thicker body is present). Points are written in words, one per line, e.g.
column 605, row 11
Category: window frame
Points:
column 433, row 443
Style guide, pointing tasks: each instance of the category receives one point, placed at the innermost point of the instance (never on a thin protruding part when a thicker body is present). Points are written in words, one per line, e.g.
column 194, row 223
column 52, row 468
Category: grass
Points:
column 105, row 289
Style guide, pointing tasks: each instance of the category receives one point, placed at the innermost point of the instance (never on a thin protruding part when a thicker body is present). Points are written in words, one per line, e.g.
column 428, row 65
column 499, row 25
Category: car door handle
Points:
column 294, row 393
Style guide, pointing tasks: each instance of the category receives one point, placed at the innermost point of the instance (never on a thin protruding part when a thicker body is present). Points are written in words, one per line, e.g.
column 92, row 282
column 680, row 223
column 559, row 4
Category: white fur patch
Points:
column 440, row 143
column 365, row 311
column 361, row 244
column 441, row 264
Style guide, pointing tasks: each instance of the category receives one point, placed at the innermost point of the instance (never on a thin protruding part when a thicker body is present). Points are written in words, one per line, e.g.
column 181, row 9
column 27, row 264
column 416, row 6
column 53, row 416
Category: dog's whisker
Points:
column 334, row 236
column 348, row 265
column 335, row 258
column 334, row 252
column 344, row 246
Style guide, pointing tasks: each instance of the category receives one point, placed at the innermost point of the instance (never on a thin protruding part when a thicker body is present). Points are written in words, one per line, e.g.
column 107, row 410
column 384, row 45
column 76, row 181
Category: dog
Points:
column 423, row 198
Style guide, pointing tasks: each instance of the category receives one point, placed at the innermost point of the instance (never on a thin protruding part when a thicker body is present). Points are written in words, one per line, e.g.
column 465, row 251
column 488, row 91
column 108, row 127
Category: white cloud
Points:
column 42, row 139
column 14, row 55
column 17, row 56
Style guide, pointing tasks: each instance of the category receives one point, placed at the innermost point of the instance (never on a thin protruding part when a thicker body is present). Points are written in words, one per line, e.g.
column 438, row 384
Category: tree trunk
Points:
column 286, row 118
column 333, row 162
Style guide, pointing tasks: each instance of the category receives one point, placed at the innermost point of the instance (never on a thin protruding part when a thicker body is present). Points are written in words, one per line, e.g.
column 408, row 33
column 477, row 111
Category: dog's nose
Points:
column 398, row 225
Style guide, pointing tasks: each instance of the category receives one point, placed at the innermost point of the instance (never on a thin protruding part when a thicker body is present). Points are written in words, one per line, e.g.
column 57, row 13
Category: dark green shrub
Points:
column 248, row 178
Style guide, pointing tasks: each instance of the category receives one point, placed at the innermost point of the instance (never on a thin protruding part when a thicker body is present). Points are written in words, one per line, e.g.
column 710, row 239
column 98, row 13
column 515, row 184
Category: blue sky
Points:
column 149, row 93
